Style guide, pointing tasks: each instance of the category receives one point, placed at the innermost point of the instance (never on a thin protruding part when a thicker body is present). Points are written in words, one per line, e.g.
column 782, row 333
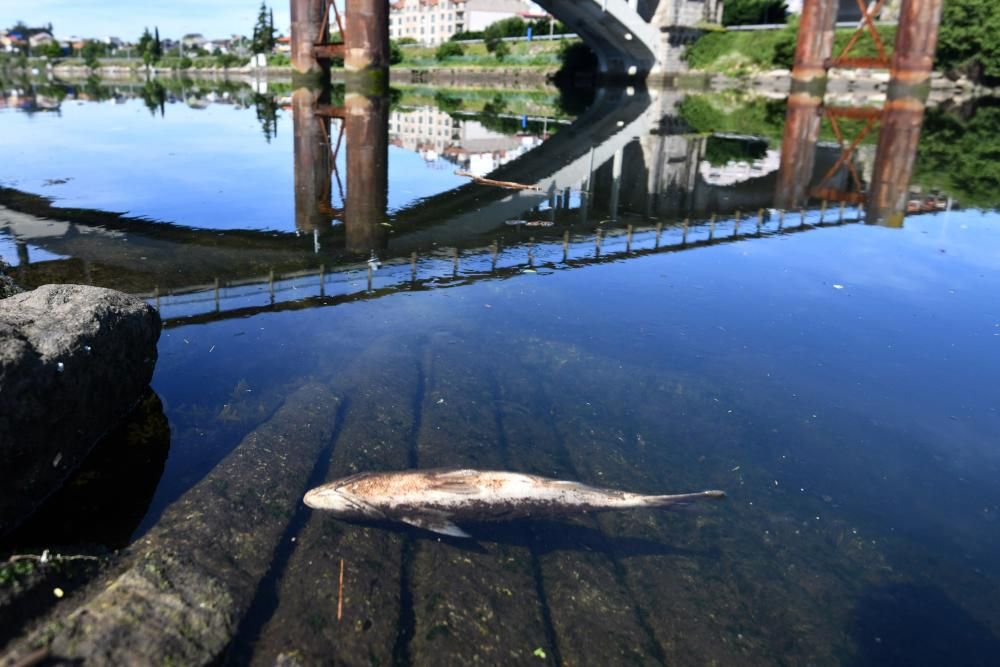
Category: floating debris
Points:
column 510, row 185
column 529, row 223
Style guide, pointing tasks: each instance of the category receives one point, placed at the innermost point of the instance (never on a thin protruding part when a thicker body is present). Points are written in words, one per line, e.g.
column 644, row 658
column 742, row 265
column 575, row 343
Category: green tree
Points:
column 52, row 50
column 263, row 31
column 512, row 26
column 492, row 37
column 961, row 155
column 502, row 50
column 157, row 46
column 449, row 50
column 154, row 96
column 395, row 53
column 150, row 47
column 142, row 46
column 968, row 38
column 749, row 12
column 496, row 31
column 446, row 102
column 91, row 51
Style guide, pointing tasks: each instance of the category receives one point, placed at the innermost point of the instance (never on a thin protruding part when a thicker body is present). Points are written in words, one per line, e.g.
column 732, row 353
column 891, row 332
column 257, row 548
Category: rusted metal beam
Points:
column 798, row 150
column 307, row 30
column 894, row 161
column 861, row 62
column 916, row 41
column 366, row 35
column 366, row 126
column 903, row 115
column 815, row 41
column 312, row 161
column 330, row 111
column 831, row 194
column 854, row 113
column 328, row 51
column 868, row 14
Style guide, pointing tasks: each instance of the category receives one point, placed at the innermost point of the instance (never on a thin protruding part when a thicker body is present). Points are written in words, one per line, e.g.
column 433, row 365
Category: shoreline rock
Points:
column 7, row 285
column 179, row 593
column 74, row 360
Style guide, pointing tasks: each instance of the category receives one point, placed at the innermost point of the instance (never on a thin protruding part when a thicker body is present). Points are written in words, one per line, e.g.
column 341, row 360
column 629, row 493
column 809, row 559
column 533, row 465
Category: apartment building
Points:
column 434, row 21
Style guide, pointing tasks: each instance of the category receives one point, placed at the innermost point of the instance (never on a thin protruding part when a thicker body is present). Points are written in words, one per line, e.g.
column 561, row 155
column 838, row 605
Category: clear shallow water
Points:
column 836, row 379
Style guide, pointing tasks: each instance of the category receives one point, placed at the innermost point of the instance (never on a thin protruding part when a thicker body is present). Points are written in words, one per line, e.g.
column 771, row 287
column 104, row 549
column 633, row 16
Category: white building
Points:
column 434, row 21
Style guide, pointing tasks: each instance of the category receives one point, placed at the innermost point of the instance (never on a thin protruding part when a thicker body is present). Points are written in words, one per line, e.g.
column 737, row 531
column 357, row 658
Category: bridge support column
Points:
column 312, row 161
column 798, row 149
column 814, row 46
column 366, row 129
column 366, row 45
column 903, row 114
column 916, row 42
column 307, row 30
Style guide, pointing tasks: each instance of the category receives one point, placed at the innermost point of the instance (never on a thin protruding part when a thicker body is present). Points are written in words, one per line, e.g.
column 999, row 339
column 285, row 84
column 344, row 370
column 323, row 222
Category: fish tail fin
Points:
column 682, row 499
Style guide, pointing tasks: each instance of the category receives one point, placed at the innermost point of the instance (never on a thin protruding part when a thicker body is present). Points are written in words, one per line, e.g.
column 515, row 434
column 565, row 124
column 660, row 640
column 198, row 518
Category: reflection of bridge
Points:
column 627, row 159
column 630, row 153
column 452, row 267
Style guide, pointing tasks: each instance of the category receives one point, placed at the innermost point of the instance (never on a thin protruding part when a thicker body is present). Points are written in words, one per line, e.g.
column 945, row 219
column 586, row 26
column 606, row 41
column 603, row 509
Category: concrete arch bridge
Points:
column 632, row 38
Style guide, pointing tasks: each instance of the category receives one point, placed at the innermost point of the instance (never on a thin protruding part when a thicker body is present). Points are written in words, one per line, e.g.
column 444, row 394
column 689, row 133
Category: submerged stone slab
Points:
column 74, row 359
column 189, row 581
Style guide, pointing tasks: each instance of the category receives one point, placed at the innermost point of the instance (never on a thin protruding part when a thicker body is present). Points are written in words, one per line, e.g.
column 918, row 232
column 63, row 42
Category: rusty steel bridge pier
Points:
column 363, row 41
column 900, row 119
column 366, row 126
column 307, row 32
column 903, row 114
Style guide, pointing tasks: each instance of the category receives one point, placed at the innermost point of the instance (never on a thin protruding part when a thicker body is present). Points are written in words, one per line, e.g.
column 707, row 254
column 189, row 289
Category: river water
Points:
column 647, row 320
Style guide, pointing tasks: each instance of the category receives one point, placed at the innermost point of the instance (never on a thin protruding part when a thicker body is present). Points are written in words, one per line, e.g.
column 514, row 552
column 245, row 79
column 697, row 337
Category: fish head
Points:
column 339, row 501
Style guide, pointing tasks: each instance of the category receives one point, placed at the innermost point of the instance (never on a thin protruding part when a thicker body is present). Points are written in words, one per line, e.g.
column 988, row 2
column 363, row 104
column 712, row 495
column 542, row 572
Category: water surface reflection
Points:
column 642, row 315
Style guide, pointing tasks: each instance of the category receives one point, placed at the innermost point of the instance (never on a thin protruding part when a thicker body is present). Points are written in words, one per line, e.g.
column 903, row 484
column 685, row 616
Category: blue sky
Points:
column 127, row 18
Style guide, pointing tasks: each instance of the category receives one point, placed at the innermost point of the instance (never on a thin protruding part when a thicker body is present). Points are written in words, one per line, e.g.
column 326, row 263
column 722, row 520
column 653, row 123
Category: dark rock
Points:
column 190, row 580
column 7, row 286
column 73, row 361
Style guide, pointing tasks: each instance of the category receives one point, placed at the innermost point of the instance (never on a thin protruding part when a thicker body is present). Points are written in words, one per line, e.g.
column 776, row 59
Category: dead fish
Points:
column 434, row 499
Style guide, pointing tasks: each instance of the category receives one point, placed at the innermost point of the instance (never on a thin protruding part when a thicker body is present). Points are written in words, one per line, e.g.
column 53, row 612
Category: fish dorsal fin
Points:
column 437, row 523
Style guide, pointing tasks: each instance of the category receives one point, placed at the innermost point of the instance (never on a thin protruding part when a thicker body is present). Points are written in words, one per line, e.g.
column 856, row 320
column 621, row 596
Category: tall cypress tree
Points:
column 145, row 47
column 157, row 47
column 263, row 41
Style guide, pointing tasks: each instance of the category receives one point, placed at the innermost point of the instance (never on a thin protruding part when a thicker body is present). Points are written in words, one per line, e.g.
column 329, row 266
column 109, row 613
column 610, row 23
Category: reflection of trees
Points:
column 961, row 156
column 267, row 114
column 721, row 150
column 154, row 96
column 448, row 103
column 94, row 91
column 718, row 113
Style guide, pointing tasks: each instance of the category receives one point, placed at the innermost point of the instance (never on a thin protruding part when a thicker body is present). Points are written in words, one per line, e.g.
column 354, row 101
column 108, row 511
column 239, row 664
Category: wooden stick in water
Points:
column 340, row 593
column 511, row 185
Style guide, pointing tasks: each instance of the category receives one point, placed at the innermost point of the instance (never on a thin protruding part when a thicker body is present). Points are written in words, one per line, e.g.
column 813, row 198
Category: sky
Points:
column 127, row 18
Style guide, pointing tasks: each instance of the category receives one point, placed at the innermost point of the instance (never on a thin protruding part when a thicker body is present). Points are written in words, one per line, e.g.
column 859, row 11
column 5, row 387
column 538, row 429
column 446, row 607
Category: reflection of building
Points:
column 737, row 171
column 434, row 21
column 467, row 143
